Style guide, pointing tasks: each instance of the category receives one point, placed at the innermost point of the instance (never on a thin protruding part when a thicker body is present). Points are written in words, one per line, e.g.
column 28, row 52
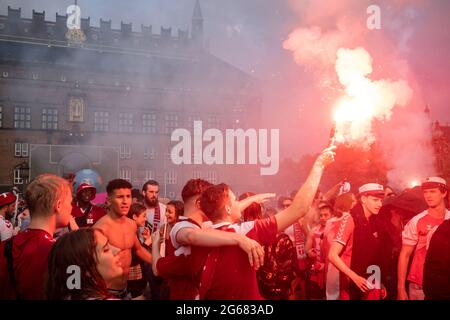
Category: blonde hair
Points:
column 43, row 193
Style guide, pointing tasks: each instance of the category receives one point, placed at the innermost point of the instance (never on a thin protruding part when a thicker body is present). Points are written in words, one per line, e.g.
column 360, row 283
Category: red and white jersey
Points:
column 6, row 229
column 344, row 236
column 416, row 233
column 262, row 230
column 229, row 276
column 184, row 222
column 329, row 233
column 86, row 218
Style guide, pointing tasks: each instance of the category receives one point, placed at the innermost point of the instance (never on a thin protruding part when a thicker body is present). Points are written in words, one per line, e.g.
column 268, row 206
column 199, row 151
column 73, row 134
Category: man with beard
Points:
column 155, row 210
column 415, row 236
column 121, row 231
column 85, row 213
column 7, row 205
column 356, row 246
column 156, row 217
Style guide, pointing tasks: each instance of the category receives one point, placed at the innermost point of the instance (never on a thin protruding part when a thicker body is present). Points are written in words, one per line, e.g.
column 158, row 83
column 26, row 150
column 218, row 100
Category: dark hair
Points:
column 281, row 200
column 194, row 187
column 117, row 184
column 253, row 211
column 179, row 207
column 343, row 203
column 269, row 211
column 136, row 193
column 150, row 183
column 75, row 248
column 213, row 199
column 442, row 188
column 136, row 209
column 325, row 205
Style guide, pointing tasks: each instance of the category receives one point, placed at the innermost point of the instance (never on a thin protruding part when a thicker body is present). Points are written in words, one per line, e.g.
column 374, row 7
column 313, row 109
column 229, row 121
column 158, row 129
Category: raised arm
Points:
column 258, row 198
column 333, row 192
column 217, row 238
column 305, row 195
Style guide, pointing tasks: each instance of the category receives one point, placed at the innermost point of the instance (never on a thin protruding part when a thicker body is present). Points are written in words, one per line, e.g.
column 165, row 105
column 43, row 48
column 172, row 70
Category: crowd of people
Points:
column 372, row 244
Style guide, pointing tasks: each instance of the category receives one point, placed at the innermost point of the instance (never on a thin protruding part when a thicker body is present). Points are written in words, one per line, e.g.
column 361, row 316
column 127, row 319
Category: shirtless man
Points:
column 121, row 231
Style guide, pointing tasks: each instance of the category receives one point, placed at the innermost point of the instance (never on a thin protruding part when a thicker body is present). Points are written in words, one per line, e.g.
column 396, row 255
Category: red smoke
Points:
column 329, row 27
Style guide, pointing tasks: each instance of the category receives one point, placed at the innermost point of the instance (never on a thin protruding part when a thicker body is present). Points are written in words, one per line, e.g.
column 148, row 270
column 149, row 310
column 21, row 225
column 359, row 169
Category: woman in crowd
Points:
column 174, row 210
column 82, row 266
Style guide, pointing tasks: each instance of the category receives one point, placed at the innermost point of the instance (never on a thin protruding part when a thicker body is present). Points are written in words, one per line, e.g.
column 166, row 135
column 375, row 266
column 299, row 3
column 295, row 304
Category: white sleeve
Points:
column 176, row 228
column 5, row 232
column 409, row 234
column 163, row 215
column 244, row 227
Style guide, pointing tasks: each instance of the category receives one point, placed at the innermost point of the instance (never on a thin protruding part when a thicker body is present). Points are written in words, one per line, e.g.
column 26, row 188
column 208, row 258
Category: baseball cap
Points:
column 7, row 198
column 85, row 186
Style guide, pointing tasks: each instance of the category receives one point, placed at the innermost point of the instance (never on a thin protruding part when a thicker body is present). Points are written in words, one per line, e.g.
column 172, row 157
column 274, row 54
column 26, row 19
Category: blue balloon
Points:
column 88, row 176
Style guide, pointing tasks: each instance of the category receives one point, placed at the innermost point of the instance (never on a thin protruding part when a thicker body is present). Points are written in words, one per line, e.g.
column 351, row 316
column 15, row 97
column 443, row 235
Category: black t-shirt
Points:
column 436, row 273
column 366, row 246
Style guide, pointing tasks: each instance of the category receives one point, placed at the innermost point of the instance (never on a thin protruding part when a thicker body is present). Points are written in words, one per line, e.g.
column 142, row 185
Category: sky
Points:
column 299, row 94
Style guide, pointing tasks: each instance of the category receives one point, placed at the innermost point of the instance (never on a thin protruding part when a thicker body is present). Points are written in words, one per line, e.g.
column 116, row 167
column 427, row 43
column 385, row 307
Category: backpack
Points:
column 276, row 275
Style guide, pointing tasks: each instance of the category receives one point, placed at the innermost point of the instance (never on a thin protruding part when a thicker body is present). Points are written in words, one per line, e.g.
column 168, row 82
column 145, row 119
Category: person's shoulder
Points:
column 418, row 217
column 131, row 223
column 103, row 221
column 185, row 222
column 347, row 223
column 98, row 208
column 31, row 241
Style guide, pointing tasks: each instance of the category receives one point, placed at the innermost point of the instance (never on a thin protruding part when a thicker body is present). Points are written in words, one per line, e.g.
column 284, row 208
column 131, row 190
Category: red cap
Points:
column 85, row 186
column 7, row 198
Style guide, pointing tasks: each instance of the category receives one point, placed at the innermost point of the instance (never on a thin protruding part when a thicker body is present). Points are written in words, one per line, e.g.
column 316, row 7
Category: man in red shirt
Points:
column 85, row 213
column 225, row 272
column 193, row 228
column 49, row 199
column 415, row 236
